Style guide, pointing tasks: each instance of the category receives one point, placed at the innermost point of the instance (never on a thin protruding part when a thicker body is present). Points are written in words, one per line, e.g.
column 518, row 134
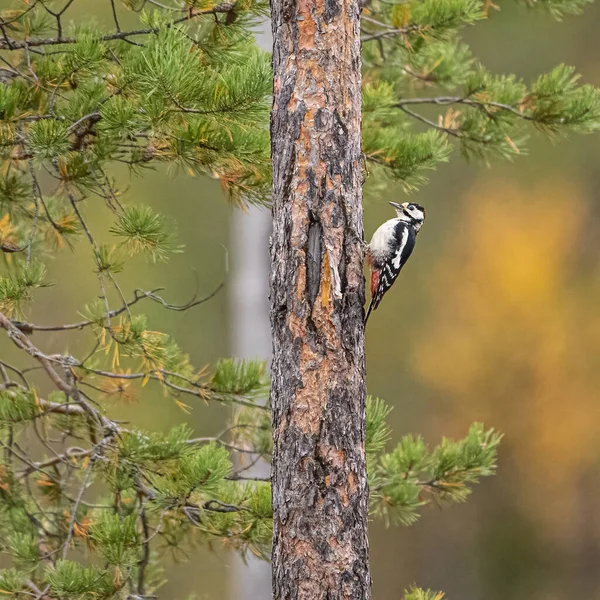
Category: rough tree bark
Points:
column 320, row 547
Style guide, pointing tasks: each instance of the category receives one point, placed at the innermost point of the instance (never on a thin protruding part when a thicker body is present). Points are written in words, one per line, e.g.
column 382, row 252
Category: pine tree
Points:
column 181, row 82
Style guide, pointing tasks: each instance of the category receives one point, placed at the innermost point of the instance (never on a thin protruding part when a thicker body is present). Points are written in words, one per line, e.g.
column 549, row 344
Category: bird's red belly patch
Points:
column 374, row 281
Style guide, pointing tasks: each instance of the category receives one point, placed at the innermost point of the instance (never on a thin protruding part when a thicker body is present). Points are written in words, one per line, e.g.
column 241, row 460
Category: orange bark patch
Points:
column 352, row 487
column 301, row 279
column 332, row 455
column 307, row 23
column 344, row 497
column 312, row 397
column 306, row 31
column 325, row 280
column 297, row 325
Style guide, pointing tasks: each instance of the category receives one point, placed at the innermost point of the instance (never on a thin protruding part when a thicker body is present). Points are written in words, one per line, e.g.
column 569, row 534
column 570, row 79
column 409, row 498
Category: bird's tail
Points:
column 371, row 306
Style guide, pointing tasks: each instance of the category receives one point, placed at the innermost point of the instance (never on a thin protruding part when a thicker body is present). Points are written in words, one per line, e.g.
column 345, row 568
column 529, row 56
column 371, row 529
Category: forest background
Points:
column 496, row 320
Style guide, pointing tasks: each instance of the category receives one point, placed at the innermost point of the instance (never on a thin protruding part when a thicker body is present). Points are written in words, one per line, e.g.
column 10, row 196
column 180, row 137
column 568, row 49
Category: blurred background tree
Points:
column 515, row 323
column 84, row 112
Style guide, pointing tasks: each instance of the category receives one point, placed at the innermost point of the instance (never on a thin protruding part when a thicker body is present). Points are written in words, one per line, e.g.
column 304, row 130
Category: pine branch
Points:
column 12, row 44
column 390, row 33
column 23, row 342
column 27, row 327
column 448, row 100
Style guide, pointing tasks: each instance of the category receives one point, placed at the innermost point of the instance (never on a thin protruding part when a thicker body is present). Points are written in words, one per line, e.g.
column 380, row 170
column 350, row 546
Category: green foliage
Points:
column 251, row 428
column 12, row 98
column 144, row 232
column 139, row 447
column 16, row 286
column 440, row 16
column 191, row 92
column 407, row 155
column 239, row 378
column 14, row 192
column 415, row 593
column 169, row 485
column 85, row 57
column 117, row 539
column 459, row 463
column 16, row 406
column 446, row 63
column 200, row 472
column 12, row 582
column 560, row 8
column 249, row 525
column 49, row 138
column 557, row 102
column 412, row 475
column 378, row 432
column 69, row 579
column 108, row 260
column 24, row 549
column 414, row 46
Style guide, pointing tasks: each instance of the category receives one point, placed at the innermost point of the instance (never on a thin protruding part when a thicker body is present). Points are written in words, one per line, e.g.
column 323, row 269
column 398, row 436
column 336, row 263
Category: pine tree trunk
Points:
column 320, row 547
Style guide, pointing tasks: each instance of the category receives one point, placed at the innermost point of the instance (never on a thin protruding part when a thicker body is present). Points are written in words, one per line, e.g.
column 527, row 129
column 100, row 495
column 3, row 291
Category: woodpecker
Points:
column 390, row 248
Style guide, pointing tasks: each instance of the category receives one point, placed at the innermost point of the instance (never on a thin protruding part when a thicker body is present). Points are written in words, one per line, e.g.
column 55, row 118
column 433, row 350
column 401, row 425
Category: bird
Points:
column 390, row 248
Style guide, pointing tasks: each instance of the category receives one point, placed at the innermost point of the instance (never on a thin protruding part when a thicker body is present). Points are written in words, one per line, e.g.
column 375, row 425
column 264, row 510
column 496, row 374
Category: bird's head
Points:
column 411, row 212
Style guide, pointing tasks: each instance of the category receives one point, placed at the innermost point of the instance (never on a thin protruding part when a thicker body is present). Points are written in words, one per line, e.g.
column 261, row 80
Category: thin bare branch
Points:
column 27, row 327
column 12, row 44
column 76, row 504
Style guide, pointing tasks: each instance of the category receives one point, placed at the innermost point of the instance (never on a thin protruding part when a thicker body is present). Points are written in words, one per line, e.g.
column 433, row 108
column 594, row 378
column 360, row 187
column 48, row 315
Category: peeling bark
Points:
column 320, row 547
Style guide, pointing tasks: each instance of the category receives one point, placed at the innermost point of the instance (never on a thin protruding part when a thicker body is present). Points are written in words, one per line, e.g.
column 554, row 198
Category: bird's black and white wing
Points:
column 383, row 278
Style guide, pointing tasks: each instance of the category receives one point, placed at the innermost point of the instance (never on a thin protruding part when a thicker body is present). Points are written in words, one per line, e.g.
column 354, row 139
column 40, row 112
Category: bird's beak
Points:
column 396, row 205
